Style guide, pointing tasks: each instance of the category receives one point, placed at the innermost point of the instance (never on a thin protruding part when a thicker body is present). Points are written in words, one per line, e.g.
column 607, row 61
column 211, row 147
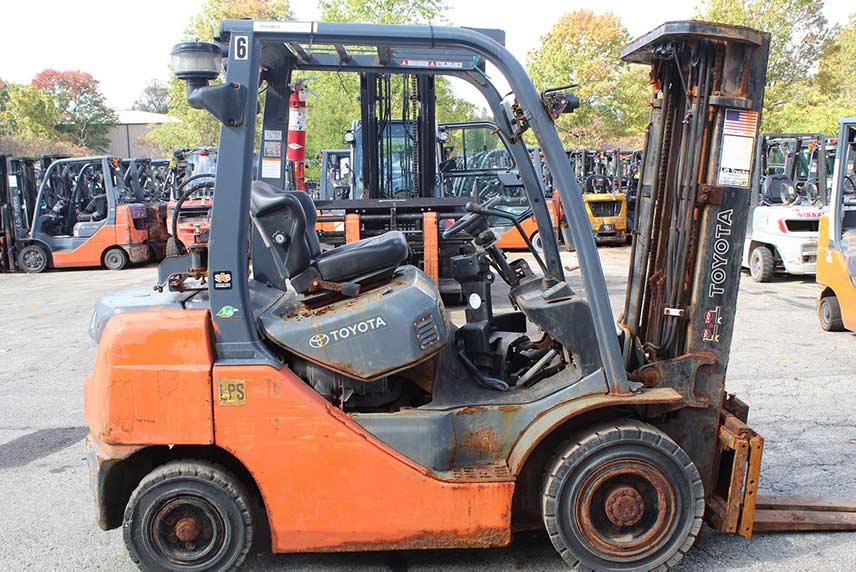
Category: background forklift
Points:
column 836, row 250
column 789, row 192
column 82, row 216
column 327, row 396
column 599, row 175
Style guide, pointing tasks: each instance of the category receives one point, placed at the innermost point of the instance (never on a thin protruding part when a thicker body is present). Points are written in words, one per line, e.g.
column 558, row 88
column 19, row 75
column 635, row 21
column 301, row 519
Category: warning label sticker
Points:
column 738, row 143
column 271, row 168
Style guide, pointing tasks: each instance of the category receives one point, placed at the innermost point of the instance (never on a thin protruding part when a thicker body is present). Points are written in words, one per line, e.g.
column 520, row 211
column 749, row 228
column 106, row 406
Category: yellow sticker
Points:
column 232, row 392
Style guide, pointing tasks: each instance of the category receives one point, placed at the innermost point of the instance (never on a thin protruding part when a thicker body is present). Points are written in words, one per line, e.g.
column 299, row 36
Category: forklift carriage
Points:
column 326, row 397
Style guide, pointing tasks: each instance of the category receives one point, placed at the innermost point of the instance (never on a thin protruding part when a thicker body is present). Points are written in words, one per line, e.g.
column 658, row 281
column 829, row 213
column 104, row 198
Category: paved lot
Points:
column 798, row 380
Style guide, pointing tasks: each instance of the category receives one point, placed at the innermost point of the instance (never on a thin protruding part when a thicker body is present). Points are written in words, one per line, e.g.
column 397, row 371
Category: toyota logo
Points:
column 319, row 340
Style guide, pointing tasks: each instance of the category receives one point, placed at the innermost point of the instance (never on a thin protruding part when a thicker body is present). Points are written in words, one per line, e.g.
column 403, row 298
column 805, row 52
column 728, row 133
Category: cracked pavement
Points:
column 797, row 379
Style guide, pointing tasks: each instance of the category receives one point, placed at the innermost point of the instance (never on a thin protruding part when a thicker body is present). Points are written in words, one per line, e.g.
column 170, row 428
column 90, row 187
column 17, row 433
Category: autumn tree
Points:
column 584, row 48
column 197, row 127
column 82, row 112
column 799, row 37
column 154, row 98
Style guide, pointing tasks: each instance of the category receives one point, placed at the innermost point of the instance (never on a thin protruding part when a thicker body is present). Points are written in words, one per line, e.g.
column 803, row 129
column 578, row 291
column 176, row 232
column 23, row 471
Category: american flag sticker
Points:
column 738, row 122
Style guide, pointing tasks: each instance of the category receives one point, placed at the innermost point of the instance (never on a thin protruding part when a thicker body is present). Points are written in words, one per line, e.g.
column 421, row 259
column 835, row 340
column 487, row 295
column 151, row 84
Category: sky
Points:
column 126, row 43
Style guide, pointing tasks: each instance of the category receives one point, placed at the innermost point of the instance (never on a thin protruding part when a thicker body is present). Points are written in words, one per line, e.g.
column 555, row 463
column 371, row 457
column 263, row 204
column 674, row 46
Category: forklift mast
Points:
column 378, row 117
column 695, row 180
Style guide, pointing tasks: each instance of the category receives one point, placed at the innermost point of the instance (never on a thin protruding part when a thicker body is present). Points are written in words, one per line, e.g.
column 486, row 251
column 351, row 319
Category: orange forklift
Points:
column 322, row 401
column 83, row 216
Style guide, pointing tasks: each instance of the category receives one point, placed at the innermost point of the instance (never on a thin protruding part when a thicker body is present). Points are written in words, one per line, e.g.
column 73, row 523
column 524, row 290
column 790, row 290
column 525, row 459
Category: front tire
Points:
column 622, row 496
column 116, row 258
column 189, row 515
column 762, row 265
column 829, row 314
column 33, row 259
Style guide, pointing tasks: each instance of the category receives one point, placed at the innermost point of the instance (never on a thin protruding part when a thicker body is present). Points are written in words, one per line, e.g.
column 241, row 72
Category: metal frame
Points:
column 253, row 45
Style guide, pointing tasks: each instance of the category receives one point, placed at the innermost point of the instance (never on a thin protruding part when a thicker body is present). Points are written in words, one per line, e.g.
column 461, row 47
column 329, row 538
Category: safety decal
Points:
column 227, row 312
column 712, row 321
column 223, row 280
column 231, row 392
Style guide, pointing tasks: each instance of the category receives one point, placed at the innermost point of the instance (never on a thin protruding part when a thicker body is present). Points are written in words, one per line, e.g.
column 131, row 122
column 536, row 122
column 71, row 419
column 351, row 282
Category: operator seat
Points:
column 775, row 189
column 95, row 209
column 286, row 222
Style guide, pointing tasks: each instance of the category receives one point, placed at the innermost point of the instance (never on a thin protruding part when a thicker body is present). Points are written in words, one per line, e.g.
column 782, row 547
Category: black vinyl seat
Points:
column 286, row 222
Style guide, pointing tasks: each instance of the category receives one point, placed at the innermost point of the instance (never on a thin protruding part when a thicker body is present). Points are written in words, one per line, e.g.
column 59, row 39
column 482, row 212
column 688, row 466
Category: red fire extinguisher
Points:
column 297, row 117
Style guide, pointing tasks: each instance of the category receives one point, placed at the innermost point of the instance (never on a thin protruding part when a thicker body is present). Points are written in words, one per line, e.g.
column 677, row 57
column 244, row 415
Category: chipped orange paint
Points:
column 151, row 384
column 352, row 227
column 328, row 485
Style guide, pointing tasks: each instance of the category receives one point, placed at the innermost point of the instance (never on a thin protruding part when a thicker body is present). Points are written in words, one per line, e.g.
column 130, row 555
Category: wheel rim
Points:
column 536, row 242
column 626, row 510
column 33, row 259
column 755, row 265
column 187, row 531
column 825, row 313
column 113, row 259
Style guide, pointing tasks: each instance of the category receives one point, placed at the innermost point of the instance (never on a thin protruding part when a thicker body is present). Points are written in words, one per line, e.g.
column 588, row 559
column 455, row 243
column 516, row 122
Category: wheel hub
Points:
column 187, row 529
column 624, row 506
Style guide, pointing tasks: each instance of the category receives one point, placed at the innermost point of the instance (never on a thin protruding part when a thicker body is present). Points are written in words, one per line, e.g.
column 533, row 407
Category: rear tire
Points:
column 33, row 259
column 829, row 314
column 189, row 515
column 762, row 265
column 115, row 258
column 622, row 496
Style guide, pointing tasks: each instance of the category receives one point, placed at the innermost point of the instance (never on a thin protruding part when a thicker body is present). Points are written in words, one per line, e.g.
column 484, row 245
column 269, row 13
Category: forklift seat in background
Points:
column 773, row 187
column 286, row 221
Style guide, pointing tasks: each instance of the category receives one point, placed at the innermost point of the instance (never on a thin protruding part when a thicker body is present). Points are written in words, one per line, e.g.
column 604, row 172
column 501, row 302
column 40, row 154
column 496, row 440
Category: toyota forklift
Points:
column 322, row 401
column 836, row 249
column 83, row 215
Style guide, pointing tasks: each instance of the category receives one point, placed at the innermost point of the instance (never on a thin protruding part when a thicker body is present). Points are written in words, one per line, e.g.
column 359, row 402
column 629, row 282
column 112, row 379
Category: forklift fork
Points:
column 735, row 507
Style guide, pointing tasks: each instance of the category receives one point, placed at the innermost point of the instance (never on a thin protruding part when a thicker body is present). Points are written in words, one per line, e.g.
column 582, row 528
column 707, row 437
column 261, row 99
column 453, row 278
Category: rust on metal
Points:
column 477, row 538
column 624, row 506
column 484, row 441
column 796, row 514
column 187, row 529
column 623, row 532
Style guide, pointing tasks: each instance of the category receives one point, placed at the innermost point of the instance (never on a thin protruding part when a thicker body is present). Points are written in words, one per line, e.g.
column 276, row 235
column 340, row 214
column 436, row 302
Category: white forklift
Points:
column 789, row 193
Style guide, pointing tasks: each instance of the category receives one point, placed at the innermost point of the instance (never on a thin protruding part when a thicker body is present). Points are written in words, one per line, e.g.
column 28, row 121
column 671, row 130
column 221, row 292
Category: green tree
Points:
column 584, row 48
column 197, row 127
column 154, row 98
column 83, row 112
column 385, row 11
column 30, row 112
column 799, row 37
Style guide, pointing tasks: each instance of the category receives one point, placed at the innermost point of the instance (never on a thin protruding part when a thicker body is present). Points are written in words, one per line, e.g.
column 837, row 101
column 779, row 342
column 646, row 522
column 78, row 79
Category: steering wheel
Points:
column 469, row 220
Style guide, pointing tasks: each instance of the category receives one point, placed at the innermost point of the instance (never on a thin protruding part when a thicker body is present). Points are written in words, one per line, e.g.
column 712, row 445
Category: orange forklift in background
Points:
column 325, row 396
column 84, row 216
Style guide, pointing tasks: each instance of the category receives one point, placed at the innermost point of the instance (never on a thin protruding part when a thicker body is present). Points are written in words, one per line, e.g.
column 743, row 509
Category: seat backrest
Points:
column 773, row 192
column 280, row 218
column 597, row 184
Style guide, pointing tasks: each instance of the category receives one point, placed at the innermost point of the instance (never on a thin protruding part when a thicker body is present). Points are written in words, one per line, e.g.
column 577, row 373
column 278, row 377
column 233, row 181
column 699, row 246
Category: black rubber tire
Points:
column 195, row 481
column 829, row 314
column 762, row 265
column 33, row 259
column 115, row 258
column 536, row 242
column 609, row 447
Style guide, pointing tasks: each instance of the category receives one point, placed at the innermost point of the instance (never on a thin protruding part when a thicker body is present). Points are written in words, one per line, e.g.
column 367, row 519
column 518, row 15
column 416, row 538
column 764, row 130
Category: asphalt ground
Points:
column 799, row 381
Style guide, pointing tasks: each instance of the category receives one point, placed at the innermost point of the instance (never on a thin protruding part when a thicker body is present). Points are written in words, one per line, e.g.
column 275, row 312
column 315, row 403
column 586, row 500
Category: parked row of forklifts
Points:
column 66, row 212
column 62, row 212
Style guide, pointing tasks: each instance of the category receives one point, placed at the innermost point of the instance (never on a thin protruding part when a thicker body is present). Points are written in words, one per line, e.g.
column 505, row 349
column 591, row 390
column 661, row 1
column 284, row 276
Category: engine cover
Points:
column 382, row 331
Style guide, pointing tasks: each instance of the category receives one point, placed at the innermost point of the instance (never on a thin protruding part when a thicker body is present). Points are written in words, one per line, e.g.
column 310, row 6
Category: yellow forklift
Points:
column 332, row 403
column 836, row 249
